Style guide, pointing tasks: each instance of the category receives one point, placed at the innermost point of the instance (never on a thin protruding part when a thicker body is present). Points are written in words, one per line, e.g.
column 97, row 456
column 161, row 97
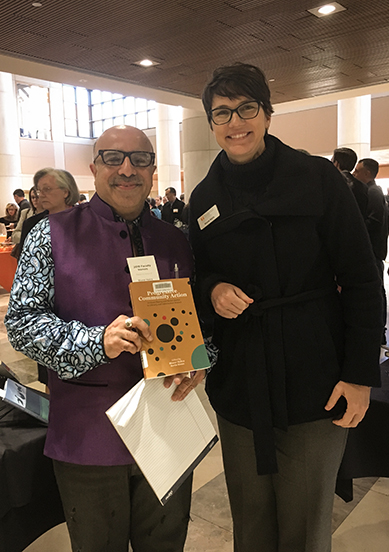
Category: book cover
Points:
column 167, row 306
column 29, row 400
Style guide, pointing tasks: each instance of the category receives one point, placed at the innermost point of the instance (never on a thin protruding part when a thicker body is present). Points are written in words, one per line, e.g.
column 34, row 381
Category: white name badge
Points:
column 175, row 210
column 208, row 217
column 143, row 269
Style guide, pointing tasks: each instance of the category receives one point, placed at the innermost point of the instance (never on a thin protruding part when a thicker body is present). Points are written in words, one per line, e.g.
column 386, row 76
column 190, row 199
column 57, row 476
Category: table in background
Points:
column 367, row 449
column 8, row 266
column 29, row 500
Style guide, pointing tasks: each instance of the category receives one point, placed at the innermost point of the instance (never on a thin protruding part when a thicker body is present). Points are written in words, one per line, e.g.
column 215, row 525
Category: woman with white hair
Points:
column 57, row 190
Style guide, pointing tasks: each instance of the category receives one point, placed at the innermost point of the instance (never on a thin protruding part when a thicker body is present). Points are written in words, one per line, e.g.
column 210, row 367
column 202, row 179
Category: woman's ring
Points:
column 128, row 323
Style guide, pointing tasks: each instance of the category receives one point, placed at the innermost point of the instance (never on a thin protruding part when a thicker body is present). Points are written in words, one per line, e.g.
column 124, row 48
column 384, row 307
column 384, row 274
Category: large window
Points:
column 76, row 103
column 89, row 112
column 34, row 111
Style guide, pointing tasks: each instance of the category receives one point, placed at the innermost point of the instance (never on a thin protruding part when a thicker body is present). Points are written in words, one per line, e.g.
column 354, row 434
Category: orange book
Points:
column 167, row 306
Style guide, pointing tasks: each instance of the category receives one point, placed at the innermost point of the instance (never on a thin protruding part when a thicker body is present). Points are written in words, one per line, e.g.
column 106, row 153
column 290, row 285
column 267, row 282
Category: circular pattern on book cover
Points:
column 174, row 328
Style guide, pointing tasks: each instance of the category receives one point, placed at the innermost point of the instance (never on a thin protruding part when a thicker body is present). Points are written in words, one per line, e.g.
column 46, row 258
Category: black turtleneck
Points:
column 247, row 182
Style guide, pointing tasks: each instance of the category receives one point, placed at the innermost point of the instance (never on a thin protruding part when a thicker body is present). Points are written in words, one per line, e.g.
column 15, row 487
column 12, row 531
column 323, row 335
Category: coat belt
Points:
column 271, row 410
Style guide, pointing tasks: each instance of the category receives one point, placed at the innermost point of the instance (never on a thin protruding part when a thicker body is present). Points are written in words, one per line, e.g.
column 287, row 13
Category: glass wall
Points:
column 89, row 112
column 34, row 111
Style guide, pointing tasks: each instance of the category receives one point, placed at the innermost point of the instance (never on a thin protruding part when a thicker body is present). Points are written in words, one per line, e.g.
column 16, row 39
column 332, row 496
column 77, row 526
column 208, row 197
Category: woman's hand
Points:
column 185, row 383
column 229, row 301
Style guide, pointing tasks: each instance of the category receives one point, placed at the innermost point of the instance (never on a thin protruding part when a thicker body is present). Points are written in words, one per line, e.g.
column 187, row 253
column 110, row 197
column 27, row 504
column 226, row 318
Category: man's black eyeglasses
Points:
column 117, row 157
column 246, row 110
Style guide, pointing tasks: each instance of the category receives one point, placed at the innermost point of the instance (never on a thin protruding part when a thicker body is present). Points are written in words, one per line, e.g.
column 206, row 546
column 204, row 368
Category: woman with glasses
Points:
column 275, row 234
column 57, row 191
column 26, row 214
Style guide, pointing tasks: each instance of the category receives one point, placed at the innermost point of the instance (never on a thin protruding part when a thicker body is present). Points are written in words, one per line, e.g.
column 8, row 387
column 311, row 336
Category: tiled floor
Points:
column 359, row 526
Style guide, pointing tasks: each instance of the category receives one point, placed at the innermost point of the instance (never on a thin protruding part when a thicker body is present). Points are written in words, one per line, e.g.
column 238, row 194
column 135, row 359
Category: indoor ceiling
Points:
column 302, row 55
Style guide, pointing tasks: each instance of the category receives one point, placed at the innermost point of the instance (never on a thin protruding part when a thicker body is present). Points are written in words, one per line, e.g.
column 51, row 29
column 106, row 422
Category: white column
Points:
column 354, row 124
column 57, row 124
column 199, row 148
column 168, row 148
column 10, row 167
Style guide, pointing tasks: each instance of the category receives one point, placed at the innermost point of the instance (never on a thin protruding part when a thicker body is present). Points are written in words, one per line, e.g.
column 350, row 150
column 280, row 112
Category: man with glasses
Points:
column 70, row 310
column 274, row 232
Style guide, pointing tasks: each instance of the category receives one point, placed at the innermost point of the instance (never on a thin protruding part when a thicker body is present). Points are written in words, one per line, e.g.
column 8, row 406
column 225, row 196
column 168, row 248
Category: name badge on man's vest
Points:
column 208, row 217
column 143, row 268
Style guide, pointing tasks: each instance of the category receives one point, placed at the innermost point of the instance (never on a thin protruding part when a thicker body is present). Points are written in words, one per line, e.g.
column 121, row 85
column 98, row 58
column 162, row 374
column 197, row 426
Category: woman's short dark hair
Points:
column 239, row 79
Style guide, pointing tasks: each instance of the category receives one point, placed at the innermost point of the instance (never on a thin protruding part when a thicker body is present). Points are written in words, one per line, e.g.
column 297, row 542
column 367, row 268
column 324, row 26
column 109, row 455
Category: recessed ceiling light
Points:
column 146, row 63
column 327, row 9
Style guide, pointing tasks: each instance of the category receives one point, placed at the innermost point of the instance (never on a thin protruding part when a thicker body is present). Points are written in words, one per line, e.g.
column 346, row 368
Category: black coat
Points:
column 377, row 220
column 172, row 212
column 281, row 358
column 359, row 189
column 24, row 204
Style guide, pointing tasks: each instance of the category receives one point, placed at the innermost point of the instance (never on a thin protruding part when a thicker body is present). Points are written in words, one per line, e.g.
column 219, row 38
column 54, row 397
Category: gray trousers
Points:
column 289, row 511
column 106, row 507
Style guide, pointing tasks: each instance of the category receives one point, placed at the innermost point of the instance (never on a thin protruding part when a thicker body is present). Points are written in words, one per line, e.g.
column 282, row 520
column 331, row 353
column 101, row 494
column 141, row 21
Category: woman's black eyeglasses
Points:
column 246, row 110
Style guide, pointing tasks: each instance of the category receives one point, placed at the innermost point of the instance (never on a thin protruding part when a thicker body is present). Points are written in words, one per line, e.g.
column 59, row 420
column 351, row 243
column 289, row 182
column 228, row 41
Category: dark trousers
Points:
column 289, row 511
column 106, row 507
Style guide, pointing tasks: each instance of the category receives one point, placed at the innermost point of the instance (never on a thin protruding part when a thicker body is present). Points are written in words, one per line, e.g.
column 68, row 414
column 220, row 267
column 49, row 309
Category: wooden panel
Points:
column 306, row 56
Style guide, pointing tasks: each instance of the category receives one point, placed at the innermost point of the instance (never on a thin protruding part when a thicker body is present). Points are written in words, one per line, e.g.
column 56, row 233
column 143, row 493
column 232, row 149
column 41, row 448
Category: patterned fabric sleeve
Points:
column 69, row 348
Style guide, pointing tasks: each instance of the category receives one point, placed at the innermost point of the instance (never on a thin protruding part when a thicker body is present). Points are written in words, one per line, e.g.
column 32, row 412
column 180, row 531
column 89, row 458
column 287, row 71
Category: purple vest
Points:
column 91, row 285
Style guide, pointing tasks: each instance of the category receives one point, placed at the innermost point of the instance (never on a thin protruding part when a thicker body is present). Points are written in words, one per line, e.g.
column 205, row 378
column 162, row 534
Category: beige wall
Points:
column 380, row 123
column 78, row 158
column 314, row 130
column 36, row 154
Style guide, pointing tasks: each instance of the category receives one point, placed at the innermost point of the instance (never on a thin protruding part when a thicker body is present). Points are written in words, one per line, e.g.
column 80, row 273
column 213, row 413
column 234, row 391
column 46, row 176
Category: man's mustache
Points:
column 117, row 180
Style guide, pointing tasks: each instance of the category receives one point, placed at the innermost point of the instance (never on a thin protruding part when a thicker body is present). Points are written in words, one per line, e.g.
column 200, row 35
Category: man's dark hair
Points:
column 18, row 192
column 171, row 190
column 232, row 81
column 346, row 158
column 371, row 165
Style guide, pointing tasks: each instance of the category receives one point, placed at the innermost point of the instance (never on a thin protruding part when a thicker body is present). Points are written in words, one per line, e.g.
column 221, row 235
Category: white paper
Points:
column 165, row 437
